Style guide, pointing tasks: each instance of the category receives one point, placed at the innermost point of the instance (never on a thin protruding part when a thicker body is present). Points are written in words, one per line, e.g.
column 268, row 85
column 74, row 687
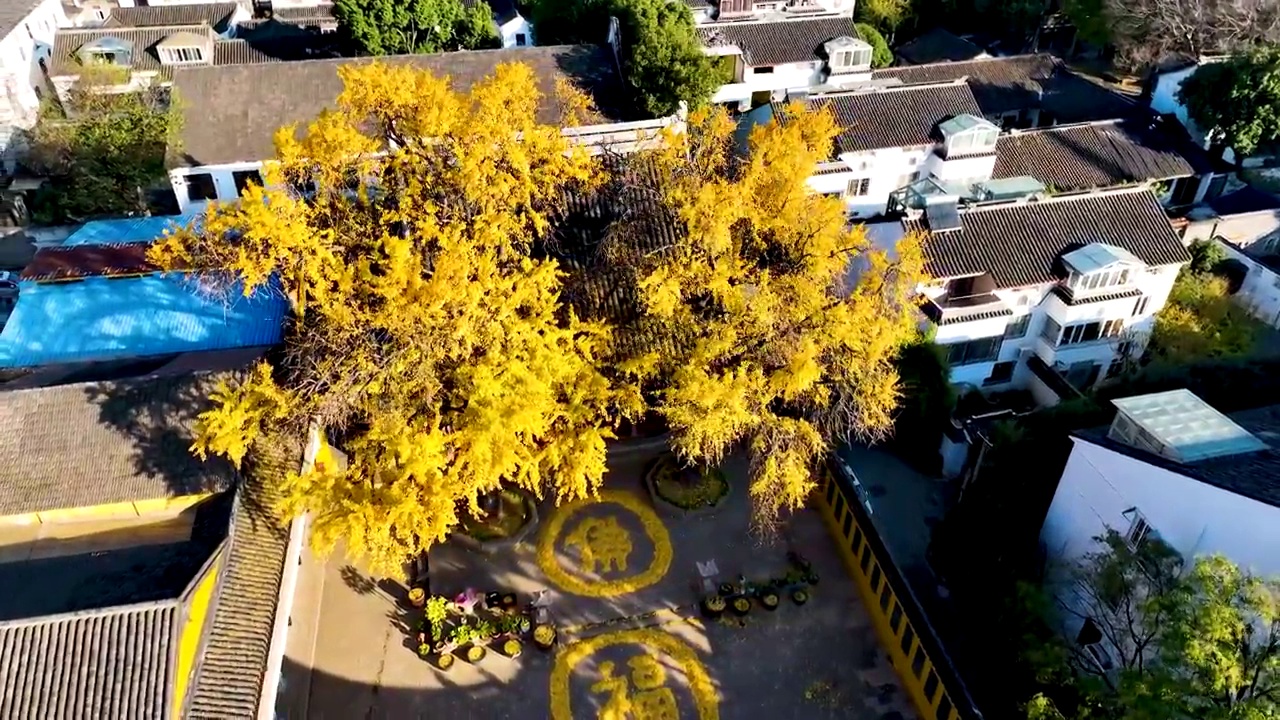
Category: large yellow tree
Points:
column 427, row 338
column 766, row 317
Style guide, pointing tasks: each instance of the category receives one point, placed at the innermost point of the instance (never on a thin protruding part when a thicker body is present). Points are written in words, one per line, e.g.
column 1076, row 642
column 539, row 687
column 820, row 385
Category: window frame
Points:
column 192, row 184
column 1018, row 327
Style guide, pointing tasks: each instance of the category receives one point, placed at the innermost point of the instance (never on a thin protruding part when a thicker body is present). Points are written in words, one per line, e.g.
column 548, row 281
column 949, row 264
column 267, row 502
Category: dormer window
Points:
column 968, row 135
column 106, row 51
column 1099, row 267
column 847, row 54
column 185, row 48
column 181, row 55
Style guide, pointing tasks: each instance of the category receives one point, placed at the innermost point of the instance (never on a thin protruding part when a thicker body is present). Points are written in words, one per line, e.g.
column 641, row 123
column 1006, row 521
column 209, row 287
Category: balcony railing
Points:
column 946, row 309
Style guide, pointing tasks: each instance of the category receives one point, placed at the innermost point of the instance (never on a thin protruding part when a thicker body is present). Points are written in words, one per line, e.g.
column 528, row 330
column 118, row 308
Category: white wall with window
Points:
column 1260, row 291
column 1102, row 488
column 516, row 32
column 23, row 52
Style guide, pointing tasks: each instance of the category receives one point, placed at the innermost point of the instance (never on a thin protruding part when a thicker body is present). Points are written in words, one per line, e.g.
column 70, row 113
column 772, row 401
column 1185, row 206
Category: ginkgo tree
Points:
column 427, row 339
column 768, row 318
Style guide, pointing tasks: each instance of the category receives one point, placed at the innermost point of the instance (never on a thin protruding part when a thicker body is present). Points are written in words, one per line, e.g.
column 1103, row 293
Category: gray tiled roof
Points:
column 13, row 12
column 779, row 41
column 64, row 62
column 229, row 672
column 937, row 45
column 306, row 13
column 1096, row 155
column 893, row 117
column 1020, row 244
column 1022, row 82
column 1254, row 475
column 100, row 665
column 98, row 443
column 220, row 126
column 215, row 15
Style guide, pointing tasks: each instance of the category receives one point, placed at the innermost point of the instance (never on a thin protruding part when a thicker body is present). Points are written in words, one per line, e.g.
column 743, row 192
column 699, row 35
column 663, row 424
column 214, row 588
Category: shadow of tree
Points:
column 353, row 579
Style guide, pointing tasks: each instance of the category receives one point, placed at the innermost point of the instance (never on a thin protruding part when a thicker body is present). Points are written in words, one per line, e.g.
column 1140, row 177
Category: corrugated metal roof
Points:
column 111, row 665
column 102, row 318
column 127, row 230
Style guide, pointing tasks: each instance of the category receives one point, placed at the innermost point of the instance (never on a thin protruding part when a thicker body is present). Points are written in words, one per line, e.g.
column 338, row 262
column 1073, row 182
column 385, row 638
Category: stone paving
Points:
column 635, row 655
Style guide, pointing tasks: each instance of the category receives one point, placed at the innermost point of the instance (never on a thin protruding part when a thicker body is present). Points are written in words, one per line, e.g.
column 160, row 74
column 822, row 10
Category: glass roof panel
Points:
column 1188, row 426
column 1098, row 256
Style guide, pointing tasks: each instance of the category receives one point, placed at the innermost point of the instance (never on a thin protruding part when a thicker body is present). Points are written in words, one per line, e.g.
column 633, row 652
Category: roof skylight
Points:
column 1180, row 426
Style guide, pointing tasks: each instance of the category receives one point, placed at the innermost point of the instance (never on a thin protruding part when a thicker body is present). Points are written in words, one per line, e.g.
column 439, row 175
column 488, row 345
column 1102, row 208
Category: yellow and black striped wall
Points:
column 923, row 666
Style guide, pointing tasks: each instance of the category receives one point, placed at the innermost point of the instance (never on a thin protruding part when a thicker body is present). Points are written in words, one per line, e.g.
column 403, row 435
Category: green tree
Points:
column 1202, row 644
column 662, row 57
column 886, row 14
column 401, row 27
column 104, row 157
column 661, row 54
column 1091, row 20
column 1236, row 102
column 1202, row 322
column 880, row 54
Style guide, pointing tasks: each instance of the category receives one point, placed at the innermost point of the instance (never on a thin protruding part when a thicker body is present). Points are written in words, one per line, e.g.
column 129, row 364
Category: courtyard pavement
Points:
column 351, row 655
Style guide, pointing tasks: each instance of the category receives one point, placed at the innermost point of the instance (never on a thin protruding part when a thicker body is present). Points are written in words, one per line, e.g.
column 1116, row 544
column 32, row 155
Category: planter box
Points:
column 491, row 547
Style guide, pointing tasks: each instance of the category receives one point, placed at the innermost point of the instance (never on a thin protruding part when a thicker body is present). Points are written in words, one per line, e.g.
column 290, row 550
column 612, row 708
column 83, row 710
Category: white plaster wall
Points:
column 21, row 77
column 974, row 168
column 885, row 167
column 1260, row 292
column 223, row 180
column 1195, row 518
column 517, row 26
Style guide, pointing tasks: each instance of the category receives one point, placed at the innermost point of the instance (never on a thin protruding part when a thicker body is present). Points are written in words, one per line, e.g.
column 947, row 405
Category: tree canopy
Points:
column 756, row 332
column 1200, row 644
column 884, row 14
column 428, row 341
column 662, row 58
column 1236, row 102
column 101, row 160
column 1201, row 321
column 880, row 53
column 401, row 27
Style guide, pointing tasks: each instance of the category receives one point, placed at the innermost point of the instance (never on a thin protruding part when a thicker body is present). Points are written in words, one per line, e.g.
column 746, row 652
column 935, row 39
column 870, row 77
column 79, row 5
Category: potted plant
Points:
column 713, row 606
column 727, row 589
column 741, row 606
column 437, row 611
column 444, row 661
column 511, row 648
column 417, row 597
column 544, row 636
column 800, row 597
column 508, row 601
column 769, row 600
column 476, row 653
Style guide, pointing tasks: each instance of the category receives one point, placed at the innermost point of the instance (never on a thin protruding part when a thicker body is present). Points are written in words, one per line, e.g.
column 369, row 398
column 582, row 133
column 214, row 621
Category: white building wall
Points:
column 1098, row 485
column 511, row 32
column 1260, row 292
column 22, row 84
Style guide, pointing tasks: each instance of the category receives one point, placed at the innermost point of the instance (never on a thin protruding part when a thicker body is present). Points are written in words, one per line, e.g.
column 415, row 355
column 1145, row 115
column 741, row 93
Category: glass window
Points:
column 1049, row 333
column 1140, row 307
column 1017, row 327
column 858, row 187
column 243, row 178
column 1002, row 372
column 200, row 187
column 974, row 351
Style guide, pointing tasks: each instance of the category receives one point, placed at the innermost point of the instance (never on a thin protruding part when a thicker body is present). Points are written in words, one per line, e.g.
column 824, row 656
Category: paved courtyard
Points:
column 354, row 658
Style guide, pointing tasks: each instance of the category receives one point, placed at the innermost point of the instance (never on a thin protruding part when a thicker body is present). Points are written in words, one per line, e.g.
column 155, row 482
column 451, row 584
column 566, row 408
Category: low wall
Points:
column 922, row 665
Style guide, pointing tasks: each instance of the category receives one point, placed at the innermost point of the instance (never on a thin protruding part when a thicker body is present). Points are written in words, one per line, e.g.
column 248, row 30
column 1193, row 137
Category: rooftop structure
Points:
column 894, row 117
column 776, row 42
column 1179, row 426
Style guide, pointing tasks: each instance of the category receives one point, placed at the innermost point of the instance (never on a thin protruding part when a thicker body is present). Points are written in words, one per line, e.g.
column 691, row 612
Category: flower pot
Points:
column 508, row 601
column 726, row 589
column 713, row 606
column 512, row 648
column 493, row 600
column 445, row 661
column 811, row 578
column 741, row 606
column 544, row 636
column 769, row 601
column 799, row 597
column 476, row 653
column 417, row 597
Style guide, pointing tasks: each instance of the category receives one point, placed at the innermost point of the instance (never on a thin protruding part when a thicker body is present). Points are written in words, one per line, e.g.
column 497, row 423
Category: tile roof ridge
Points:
column 139, row 379
column 1014, row 132
column 201, row 25
column 96, row 612
column 905, row 87
column 536, row 49
column 1057, row 199
column 988, row 59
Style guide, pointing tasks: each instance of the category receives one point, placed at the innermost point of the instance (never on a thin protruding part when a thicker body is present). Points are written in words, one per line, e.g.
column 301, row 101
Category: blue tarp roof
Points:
column 126, row 230
column 103, row 319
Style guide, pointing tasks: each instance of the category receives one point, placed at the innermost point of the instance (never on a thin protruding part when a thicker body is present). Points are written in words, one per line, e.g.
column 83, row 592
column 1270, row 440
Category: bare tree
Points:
column 1148, row 31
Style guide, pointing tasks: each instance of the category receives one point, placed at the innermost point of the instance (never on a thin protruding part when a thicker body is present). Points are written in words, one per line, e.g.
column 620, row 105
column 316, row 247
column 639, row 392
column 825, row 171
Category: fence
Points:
column 923, row 666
